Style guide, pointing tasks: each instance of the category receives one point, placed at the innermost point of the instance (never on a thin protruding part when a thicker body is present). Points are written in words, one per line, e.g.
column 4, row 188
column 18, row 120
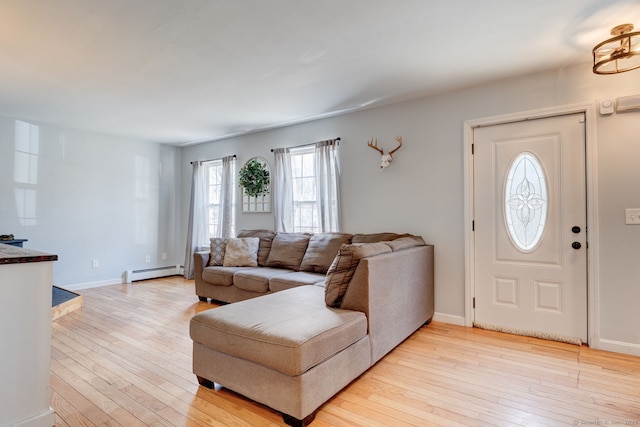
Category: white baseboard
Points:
column 152, row 273
column 45, row 419
column 89, row 285
column 448, row 318
column 618, row 347
column 177, row 270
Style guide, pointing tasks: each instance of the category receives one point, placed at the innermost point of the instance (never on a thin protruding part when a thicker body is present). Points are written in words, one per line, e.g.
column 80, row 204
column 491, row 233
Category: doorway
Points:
column 529, row 204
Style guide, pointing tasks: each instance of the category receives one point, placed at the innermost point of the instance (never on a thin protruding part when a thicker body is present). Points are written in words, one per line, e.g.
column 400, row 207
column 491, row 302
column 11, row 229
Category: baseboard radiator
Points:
column 152, row 273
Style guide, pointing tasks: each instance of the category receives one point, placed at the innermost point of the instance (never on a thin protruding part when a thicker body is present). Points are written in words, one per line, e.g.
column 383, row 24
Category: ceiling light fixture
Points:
column 618, row 54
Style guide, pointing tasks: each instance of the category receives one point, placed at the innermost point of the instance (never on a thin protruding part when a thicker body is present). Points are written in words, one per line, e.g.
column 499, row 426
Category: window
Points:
column 27, row 147
column 306, row 188
column 303, row 178
column 214, row 196
column 212, row 206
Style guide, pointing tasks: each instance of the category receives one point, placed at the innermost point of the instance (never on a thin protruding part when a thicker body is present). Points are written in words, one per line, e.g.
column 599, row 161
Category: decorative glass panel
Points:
column 525, row 201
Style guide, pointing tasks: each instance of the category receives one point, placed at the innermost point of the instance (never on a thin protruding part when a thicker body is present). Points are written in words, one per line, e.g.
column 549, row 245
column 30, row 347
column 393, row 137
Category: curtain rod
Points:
column 211, row 160
column 311, row 143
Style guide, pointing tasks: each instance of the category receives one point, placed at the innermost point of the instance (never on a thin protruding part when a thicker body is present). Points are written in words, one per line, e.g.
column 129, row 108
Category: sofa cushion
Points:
column 376, row 237
column 291, row 280
column 290, row 331
column 241, row 252
column 343, row 267
column 216, row 254
column 257, row 279
column 266, row 237
column 221, row 276
column 287, row 250
column 405, row 243
column 321, row 251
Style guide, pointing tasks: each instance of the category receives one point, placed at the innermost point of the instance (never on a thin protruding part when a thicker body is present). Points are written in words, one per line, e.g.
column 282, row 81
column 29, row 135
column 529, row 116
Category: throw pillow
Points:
column 287, row 250
column 266, row 237
column 343, row 267
column 216, row 257
column 241, row 252
column 322, row 249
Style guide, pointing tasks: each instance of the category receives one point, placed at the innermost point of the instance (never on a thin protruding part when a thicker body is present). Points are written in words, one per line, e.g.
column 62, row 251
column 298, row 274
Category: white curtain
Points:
column 327, row 185
column 283, row 190
column 197, row 231
column 227, row 223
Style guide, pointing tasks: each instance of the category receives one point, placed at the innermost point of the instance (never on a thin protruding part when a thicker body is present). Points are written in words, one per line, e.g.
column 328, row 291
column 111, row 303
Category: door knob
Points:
column 576, row 245
column 575, row 229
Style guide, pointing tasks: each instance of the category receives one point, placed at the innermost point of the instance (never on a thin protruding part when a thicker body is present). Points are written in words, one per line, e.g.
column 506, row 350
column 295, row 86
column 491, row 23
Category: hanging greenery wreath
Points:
column 254, row 178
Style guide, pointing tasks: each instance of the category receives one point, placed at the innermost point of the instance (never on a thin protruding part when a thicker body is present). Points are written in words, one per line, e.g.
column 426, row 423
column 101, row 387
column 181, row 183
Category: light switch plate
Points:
column 632, row 216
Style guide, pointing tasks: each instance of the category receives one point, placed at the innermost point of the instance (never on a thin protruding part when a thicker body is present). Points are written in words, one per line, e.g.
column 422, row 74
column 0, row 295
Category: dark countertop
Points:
column 16, row 255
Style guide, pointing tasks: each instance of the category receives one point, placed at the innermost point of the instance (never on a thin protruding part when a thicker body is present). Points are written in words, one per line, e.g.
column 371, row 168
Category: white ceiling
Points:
column 186, row 71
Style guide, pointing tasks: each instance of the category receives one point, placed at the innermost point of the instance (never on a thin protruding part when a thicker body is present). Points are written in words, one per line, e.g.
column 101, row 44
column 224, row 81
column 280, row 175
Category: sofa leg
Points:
column 205, row 382
column 428, row 321
column 294, row 422
column 203, row 299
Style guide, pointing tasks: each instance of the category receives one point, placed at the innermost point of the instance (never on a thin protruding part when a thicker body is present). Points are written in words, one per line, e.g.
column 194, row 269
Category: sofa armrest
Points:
column 395, row 290
column 200, row 261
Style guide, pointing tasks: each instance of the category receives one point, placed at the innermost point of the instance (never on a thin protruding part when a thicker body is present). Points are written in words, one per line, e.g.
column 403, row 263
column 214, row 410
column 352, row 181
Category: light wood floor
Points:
column 124, row 359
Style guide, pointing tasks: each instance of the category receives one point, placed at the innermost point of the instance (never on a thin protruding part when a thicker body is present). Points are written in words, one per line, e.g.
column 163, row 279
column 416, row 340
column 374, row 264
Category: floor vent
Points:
column 152, row 273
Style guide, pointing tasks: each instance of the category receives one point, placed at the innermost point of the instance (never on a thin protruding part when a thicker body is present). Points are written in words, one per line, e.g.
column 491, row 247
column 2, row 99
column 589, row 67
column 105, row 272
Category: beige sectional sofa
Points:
column 307, row 334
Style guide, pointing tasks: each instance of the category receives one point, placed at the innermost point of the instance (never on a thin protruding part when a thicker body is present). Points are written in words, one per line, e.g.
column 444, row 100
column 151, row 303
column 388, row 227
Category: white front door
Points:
column 530, row 226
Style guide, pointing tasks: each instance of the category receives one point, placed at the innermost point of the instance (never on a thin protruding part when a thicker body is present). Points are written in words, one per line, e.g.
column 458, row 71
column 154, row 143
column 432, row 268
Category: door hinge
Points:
column 473, row 149
column 474, row 302
column 473, row 226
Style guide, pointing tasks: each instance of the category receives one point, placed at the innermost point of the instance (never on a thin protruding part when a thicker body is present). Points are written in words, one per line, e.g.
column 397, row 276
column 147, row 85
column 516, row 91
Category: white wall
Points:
column 102, row 197
column 422, row 191
column 92, row 196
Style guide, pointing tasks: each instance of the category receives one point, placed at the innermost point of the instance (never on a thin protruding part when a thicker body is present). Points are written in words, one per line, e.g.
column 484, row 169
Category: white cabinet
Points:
column 25, row 337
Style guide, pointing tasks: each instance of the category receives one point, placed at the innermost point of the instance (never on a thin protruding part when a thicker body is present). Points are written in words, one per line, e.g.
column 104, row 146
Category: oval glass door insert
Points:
column 525, row 201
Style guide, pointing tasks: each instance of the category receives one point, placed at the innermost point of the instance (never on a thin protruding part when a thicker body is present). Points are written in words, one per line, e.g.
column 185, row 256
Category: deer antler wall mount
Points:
column 386, row 158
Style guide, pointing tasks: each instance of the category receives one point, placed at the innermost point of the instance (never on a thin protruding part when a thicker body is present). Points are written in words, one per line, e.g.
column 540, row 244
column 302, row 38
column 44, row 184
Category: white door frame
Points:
column 593, row 287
